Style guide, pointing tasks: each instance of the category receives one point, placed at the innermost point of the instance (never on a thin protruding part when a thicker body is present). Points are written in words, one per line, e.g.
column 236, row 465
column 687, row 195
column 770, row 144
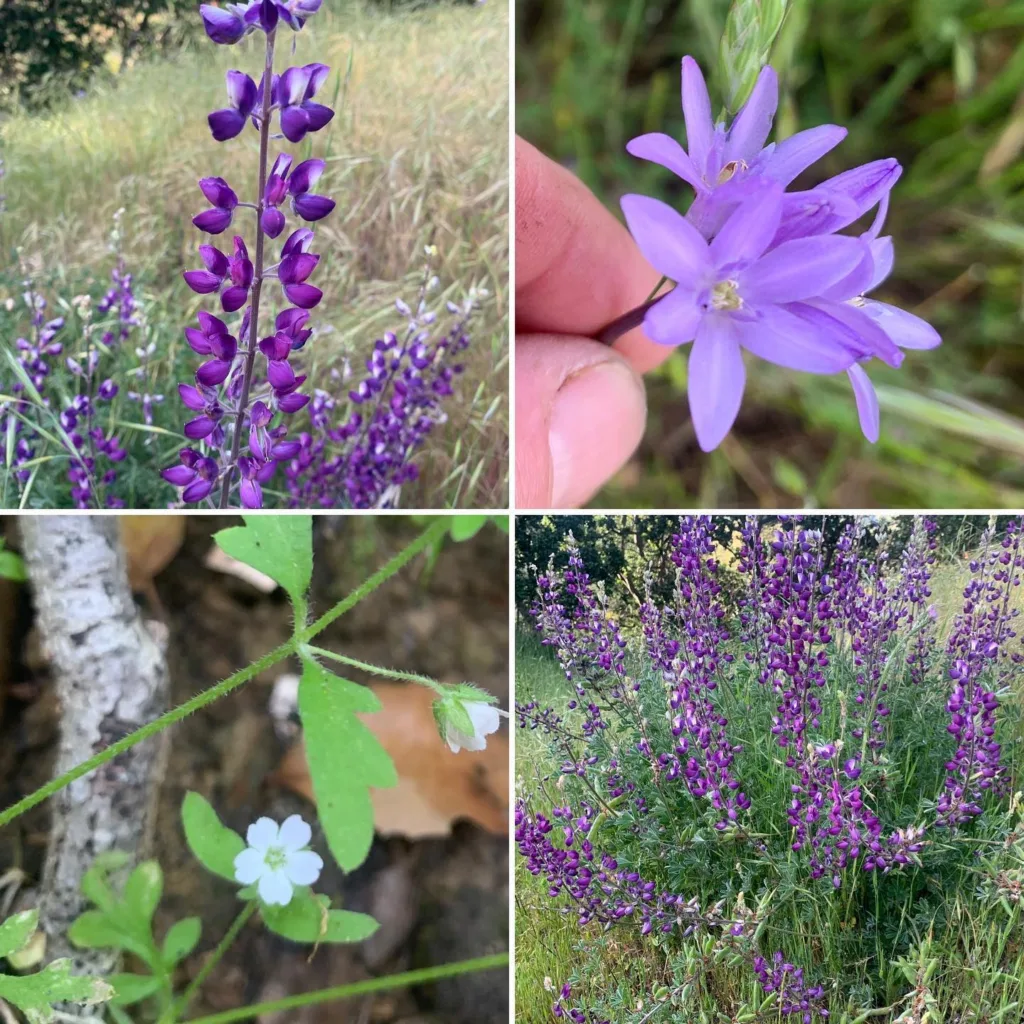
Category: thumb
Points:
column 580, row 413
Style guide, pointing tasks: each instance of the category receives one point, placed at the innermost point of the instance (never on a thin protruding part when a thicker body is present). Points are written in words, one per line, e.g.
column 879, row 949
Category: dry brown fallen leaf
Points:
column 150, row 542
column 435, row 787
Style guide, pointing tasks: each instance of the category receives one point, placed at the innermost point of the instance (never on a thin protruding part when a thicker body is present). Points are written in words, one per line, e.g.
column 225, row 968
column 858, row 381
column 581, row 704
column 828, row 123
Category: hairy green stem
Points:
column 360, row 988
column 377, row 670
column 301, row 637
column 213, row 959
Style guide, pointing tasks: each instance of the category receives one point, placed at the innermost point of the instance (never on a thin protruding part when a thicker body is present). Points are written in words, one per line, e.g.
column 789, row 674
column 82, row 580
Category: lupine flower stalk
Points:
column 980, row 660
column 240, row 432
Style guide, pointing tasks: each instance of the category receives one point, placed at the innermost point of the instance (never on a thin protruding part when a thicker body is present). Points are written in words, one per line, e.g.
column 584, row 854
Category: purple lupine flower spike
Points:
column 224, row 201
column 226, row 124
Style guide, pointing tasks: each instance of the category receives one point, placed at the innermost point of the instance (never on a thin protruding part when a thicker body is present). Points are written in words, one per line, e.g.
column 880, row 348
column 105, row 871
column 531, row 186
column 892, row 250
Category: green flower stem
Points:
column 360, row 988
column 181, row 1005
column 301, row 637
column 377, row 670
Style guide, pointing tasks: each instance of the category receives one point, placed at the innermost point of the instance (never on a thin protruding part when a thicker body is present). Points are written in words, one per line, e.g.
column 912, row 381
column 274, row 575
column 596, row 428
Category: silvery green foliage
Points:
column 750, row 32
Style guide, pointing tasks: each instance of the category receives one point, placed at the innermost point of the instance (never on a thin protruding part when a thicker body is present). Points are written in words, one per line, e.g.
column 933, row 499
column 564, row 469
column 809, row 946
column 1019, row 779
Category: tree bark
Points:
column 111, row 678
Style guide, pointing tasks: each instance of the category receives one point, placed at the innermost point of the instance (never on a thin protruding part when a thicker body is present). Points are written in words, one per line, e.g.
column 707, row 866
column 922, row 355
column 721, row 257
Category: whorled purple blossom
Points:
column 794, row 996
column 294, row 94
column 761, row 269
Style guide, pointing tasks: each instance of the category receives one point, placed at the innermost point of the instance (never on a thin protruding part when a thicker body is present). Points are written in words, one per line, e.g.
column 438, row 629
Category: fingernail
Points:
column 596, row 423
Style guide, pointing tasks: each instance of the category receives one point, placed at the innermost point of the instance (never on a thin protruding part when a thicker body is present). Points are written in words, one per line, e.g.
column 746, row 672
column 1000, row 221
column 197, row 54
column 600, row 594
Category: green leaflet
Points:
column 307, row 919
column 16, row 931
column 280, row 546
column 344, row 757
column 214, row 845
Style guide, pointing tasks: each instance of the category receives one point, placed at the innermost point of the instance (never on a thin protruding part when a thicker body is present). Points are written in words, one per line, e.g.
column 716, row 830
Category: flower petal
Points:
column 213, row 372
column 213, row 222
column 305, row 176
column 292, row 86
column 234, row 298
column 179, row 476
column 867, row 402
column 716, row 380
column 664, row 150
column 197, row 491
column 800, row 269
column 673, row 320
column 200, row 427
column 749, row 229
column 294, row 123
column 280, row 374
column 485, row 717
column 868, row 337
column 670, row 243
column 295, row 833
column 221, row 26
column 866, row 185
column 810, row 344
column 700, row 128
column 225, row 124
column 317, row 115
column 306, row 296
column 883, row 255
column 272, row 222
column 749, row 131
column 191, row 398
column 317, row 76
column 905, row 329
column 275, row 889
column 293, row 402
column 303, row 867
column 250, row 493
column 248, row 866
column 241, row 91
column 262, row 834
column 201, row 281
column 794, row 155
column 312, row 208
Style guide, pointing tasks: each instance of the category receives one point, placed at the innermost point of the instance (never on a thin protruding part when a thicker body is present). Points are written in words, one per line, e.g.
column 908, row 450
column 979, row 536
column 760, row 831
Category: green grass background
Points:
column 417, row 155
column 939, row 84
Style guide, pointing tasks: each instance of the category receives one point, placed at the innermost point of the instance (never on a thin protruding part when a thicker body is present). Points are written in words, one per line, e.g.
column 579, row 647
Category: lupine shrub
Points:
column 788, row 790
column 271, row 868
column 276, row 395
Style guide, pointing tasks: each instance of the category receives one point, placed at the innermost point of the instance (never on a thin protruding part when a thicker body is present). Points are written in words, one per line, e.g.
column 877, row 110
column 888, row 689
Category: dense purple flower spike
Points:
column 758, row 268
column 226, row 124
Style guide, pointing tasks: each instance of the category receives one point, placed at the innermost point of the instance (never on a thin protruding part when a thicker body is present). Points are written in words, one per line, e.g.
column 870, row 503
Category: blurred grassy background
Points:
column 417, row 154
column 939, row 84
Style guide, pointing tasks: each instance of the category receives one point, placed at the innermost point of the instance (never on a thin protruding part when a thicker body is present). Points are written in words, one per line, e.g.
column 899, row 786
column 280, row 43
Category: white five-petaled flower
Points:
column 277, row 859
column 485, row 719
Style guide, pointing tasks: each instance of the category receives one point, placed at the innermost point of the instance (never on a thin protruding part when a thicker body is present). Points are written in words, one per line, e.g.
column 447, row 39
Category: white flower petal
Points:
column 248, row 866
column 275, row 889
column 303, row 867
column 460, row 741
column 295, row 833
column 483, row 716
column 262, row 834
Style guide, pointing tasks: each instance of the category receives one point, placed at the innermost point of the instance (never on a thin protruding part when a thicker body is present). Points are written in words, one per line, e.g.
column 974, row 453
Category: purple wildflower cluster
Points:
column 980, row 659
column 239, row 434
column 602, row 891
column 690, row 668
column 561, row 1007
column 762, row 269
column 93, row 450
column 361, row 458
column 795, row 996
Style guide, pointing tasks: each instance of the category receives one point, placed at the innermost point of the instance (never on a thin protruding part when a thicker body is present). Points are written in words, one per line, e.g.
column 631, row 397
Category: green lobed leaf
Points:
column 95, row 885
column 214, row 844
column 132, row 988
column 464, row 527
column 307, row 919
column 344, row 758
column 280, row 546
column 34, row 994
column 94, row 930
column 16, row 931
column 181, row 938
column 142, row 892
